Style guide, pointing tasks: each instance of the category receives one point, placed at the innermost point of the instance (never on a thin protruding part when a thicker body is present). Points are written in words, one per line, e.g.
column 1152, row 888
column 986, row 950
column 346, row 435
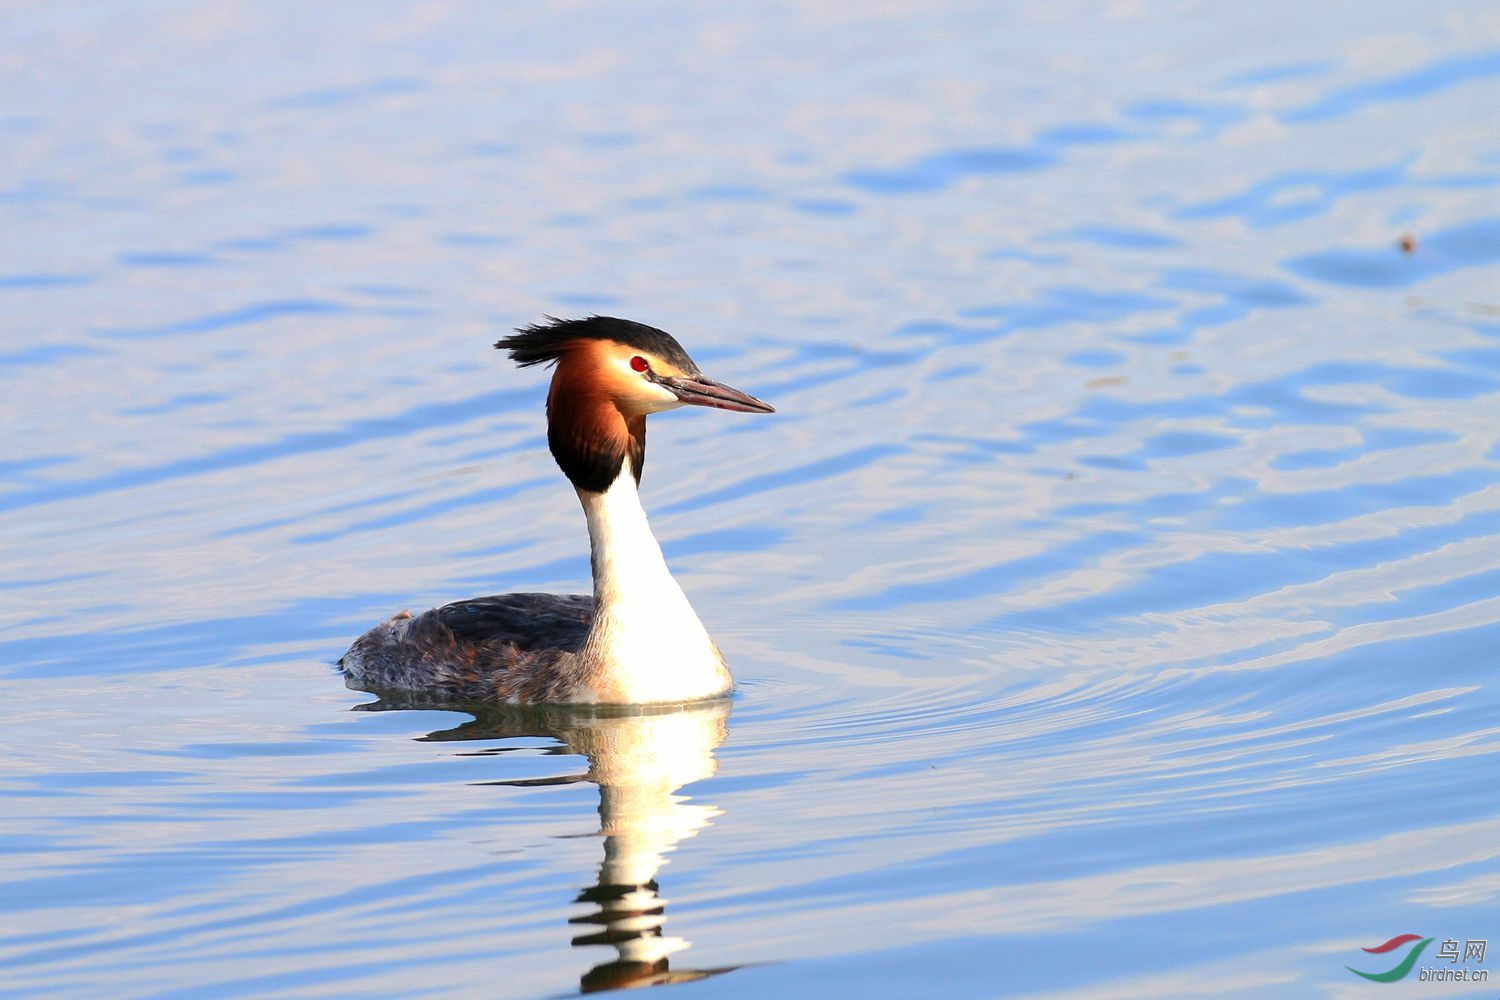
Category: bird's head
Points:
column 610, row 374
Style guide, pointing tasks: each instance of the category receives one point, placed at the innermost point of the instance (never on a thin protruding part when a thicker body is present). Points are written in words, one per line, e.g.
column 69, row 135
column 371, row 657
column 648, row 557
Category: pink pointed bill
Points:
column 703, row 391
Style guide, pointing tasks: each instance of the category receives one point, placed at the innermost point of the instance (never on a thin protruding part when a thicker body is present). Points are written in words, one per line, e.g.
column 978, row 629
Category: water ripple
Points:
column 1432, row 78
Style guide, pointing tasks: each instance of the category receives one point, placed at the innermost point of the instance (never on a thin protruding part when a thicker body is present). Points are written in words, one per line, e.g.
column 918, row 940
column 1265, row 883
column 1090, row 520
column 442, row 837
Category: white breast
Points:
column 646, row 643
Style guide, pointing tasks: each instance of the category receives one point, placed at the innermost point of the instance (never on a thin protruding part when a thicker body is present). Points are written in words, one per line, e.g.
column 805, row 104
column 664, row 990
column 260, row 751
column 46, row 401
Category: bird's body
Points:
column 637, row 639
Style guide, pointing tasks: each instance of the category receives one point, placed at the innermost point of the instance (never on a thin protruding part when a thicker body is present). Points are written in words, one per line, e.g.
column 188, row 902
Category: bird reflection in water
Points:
column 639, row 757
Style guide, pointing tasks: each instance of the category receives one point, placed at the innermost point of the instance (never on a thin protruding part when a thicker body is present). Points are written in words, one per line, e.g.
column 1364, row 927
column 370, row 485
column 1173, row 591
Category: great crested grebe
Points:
column 637, row 639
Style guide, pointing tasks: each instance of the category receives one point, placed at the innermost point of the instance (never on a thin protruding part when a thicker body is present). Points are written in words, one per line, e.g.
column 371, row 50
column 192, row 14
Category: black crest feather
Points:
column 545, row 342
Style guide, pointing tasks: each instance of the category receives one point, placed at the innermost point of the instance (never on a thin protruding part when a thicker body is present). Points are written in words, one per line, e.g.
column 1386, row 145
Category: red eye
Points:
column 639, row 363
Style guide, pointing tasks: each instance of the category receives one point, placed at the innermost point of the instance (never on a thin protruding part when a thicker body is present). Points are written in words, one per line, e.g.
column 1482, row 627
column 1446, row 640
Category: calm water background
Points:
column 1115, row 598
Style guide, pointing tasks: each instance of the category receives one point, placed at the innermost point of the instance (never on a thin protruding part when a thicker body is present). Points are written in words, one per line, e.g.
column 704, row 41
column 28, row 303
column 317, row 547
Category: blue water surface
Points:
column 1114, row 598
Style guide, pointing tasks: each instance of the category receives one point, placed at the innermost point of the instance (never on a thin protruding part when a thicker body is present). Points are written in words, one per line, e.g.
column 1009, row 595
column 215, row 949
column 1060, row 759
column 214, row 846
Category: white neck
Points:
column 645, row 644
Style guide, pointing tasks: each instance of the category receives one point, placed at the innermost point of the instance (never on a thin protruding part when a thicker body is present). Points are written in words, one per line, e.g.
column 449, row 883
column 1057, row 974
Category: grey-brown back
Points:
column 505, row 648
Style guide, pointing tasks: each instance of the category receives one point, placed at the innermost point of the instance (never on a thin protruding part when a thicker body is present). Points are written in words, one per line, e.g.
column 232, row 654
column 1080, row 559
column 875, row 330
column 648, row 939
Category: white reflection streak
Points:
column 639, row 761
